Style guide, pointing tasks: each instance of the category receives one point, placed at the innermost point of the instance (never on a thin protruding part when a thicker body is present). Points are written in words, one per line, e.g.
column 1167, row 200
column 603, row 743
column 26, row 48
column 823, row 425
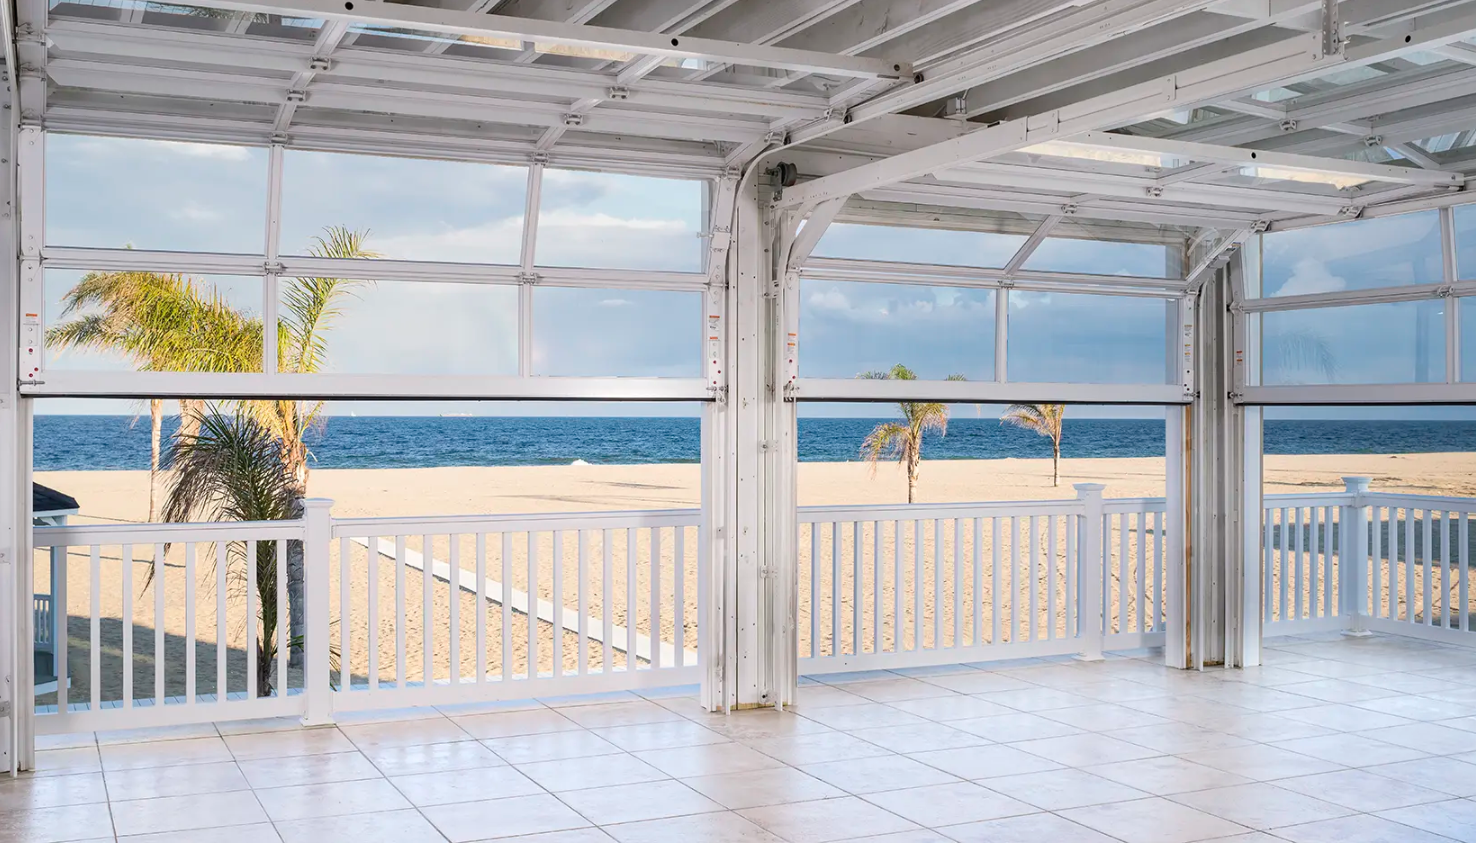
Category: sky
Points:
column 198, row 197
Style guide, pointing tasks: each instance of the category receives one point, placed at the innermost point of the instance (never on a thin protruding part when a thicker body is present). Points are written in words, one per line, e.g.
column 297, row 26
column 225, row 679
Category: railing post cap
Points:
column 1357, row 484
column 1084, row 490
column 317, row 503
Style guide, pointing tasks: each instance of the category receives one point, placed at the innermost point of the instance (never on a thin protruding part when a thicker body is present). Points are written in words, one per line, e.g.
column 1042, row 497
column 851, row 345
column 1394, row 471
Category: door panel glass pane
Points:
column 613, row 221
column 1102, row 257
column 629, row 333
column 1365, row 344
column 851, row 327
column 1087, row 338
column 148, row 321
column 173, row 196
column 1385, row 252
column 408, row 208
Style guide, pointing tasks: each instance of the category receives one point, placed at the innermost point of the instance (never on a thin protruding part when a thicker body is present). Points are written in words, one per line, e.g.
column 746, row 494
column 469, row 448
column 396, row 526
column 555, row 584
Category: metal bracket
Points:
column 539, row 158
column 277, row 268
column 1155, row 192
column 1373, row 141
column 1332, row 29
column 1351, row 211
column 573, row 120
column 319, row 64
column 297, row 96
column 1288, row 125
column 1260, row 226
column 618, row 92
column 280, row 139
column 1171, row 88
column 1444, row 291
column 529, row 278
column 719, row 394
column 1069, row 209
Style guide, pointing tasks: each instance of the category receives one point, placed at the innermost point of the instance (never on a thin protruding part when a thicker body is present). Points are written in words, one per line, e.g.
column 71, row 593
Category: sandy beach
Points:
column 121, row 496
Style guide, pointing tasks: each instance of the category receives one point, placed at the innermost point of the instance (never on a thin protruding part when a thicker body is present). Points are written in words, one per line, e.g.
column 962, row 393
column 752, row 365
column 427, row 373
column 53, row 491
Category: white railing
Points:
column 615, row 597
column 43, row 618
column 1368, row 561
column 205, row 581
column 901, row 586
column 395, row 612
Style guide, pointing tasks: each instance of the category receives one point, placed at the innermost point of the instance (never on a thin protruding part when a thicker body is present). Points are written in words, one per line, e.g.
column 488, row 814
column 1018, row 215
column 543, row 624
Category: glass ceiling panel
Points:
column 187, row 16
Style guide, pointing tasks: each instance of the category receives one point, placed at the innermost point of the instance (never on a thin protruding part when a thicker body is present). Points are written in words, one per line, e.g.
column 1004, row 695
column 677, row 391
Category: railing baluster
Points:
column 898, row 630
column 345, row 612
column 1268, row 567
column 558, row 604
column 583, row 599
column 1050, row 566
column 918, row 583
column 1140, row 559
column 160, row 662
column 453, row 600
column 95, row 659
column 284, row 629
column 876, row 586
column 222, row 687
column 427, row 612
column 61, row 638
column 1426, row 555
column 856, row 577
column 996, row 545
column 958, row 582
column 1317, row 555
column 678, row 598
column 938, row 601
column 835, row 589
column 191, row 668
column 814, row 590
column 1126, row 600
column 127, row 618
column 1032, row 627
column 1300, row 561
column 532, row 604
column 631, row 662
column 1464, row 572
column 505, row 609
column 371, row 640
column 1014, row 578
column 655, row 540
column 1409, row 566
column 1071, row 587
column 251, row 622
column 1332, row 561
column 481, row 622
column 400, row 612
column 1158, row 553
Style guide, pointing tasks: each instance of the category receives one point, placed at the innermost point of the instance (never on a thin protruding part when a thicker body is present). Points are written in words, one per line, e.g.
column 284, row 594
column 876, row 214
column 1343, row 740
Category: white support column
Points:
column 1353, row 589
column 1002, row 334
column 1252, row 573
column 1092, row 572
column 22, row 311
column 718, row 457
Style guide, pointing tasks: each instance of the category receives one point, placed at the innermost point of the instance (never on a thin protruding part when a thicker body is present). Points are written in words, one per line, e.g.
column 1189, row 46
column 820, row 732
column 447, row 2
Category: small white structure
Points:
column 49, row 508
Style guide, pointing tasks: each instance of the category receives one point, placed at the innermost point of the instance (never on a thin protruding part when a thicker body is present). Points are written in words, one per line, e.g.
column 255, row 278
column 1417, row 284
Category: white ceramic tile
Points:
column 1085, row 750
column 556, row 746
column 1362, row 791
column 507, row 724
column 949, row 804
column 424, row 789
column 1100, row 717
column 725, row 827
column 1007, row 728
column 869, row 716
column 898, row 690
column 1030, row 828
column 596, row 771
column 636, row 802
column 951, row 707
column 1261, row 806
column 921, row 737
column 131, row 756
column 660, row 735
column 378, row 827
column 1427, row 737
column 498, row 818
column 31, row 792
column 183, row 813
column 845, row 818
column 985, row 762
column 1455, row 818
column 1447, row 775
column 1357, row 829
column 816, row 748
column 707, row 760
column 1166, row 775
column 1036, row 699
column 52, row 825
column 332, row 799
column 870, row 775
column 1153, row 821
column 1351, row 750
column 255, row 833
column 618, row 714
column 156, row 782
column 309, row 769
column 1057, row 790
column 432, row 730
column 287, row 744
column 757, row 788
column 1261, row 762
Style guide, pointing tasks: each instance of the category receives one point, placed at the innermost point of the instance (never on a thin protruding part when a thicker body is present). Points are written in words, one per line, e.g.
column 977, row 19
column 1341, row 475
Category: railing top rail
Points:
column 1131, row 505
column 1432, row 502
column 72, row 535
column 534, row 522
column 1309, row 499
column 913, row 512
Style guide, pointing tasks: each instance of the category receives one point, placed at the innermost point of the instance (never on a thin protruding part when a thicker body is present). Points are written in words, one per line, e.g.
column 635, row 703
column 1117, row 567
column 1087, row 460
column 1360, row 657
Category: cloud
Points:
column 1309, row 276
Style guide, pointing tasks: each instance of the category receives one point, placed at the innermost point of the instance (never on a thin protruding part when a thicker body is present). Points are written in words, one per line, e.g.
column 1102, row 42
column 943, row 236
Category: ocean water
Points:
column 122, row 442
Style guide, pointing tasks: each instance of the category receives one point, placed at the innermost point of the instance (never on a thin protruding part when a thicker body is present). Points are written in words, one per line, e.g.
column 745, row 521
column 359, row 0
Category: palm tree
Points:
column 1044, row 419
column 162, row 323
column 230, row 469
column 903, row 440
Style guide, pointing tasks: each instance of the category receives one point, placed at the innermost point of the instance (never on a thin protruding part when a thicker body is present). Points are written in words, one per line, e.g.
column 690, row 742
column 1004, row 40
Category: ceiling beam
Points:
column 1216, row 154
column 579, row 35
column 1214, row 80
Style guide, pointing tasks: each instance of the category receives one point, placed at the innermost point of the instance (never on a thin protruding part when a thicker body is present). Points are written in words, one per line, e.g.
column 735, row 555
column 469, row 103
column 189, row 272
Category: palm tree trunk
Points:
column 156, row 426
column 266, row 594
column 911, row 480
column 1056, row 465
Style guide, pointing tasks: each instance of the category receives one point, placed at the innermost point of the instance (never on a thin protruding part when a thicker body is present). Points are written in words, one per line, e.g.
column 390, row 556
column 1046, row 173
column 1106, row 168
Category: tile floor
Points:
column 1339, row 740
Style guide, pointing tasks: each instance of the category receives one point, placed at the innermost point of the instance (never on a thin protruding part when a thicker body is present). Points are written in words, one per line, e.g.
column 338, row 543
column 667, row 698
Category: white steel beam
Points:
column 1395, row 394
column 933, row 275
column 985, row 392
column 364, row 387
column 1415, row 154
column 580, row 35
column 1031, row 244
column 329, row 37
column 809, row 236
column 1217, row 154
